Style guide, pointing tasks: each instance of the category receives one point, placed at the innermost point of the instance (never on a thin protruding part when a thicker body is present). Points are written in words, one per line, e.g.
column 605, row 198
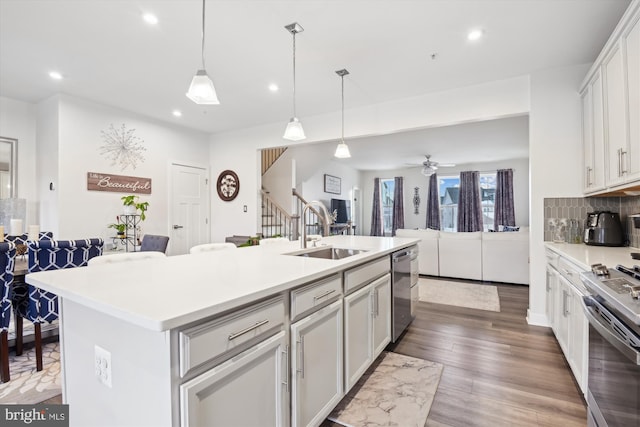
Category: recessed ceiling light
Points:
column 177, row 113
column 273, row 87
column 475, row 34
column 150, row 18
column 55, row 75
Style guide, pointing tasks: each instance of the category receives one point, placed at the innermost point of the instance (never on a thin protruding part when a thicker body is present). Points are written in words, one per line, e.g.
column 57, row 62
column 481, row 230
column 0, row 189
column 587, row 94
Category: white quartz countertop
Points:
column 585, row 255
column 162, row 294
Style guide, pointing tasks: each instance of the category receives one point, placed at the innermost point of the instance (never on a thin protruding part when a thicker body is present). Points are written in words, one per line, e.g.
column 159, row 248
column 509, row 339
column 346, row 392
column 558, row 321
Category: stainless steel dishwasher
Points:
column 404, row 275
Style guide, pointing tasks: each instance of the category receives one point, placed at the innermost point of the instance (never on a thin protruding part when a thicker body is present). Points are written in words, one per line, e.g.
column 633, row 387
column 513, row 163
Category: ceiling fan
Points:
column 429, row 167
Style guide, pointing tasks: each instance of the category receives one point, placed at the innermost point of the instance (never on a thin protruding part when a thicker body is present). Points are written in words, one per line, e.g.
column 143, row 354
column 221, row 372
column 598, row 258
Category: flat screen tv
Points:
column 343, row 207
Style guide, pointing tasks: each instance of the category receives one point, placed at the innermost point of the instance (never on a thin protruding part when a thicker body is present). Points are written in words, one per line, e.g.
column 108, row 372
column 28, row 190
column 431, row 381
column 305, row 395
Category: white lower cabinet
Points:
column 551, row 295
column 567, row 318
column 257, row 377
column 316, row 365
column 367, row 329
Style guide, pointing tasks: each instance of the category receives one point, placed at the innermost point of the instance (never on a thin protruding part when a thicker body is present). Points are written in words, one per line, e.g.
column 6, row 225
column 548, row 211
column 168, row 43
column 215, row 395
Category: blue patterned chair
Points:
column 7, row 258
column 40, row 306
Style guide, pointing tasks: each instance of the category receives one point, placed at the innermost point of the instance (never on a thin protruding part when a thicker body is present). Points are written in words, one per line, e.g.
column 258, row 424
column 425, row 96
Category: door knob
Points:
column 175, row 227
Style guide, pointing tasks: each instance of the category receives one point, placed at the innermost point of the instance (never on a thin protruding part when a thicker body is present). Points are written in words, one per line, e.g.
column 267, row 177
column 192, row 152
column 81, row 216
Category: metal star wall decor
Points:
column 122, row 147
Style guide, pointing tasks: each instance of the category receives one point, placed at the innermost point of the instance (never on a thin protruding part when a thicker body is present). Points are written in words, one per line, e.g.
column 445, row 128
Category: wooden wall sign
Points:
column 118, row 183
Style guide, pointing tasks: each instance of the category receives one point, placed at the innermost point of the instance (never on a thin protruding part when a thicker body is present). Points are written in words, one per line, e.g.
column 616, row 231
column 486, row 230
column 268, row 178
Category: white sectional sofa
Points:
column 496, row 257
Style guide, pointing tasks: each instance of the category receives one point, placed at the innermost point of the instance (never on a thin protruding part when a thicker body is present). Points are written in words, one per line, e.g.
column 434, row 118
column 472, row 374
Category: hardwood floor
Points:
column 498, row 370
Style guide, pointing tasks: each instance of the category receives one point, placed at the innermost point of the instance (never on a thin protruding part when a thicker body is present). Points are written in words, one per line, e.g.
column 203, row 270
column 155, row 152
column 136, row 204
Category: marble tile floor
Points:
column 28, row 386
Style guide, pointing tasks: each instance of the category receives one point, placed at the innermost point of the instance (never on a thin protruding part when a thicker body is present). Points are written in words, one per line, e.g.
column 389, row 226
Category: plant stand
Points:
column 131, row 234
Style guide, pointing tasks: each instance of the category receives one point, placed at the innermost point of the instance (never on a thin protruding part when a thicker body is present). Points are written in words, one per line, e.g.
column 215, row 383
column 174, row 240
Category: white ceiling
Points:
column 106, row 52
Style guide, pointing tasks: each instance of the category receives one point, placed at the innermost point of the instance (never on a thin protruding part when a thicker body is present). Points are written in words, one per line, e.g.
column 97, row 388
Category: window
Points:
column 449, row 189
column 387, row 187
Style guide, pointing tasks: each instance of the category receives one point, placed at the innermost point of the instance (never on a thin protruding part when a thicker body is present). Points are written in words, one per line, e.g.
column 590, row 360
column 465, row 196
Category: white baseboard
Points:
column 537, row 319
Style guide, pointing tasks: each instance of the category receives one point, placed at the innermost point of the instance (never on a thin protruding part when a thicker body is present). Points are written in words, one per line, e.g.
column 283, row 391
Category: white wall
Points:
column 47, row 162
column 237, row 150
column 82, row 213
column 555, row 162
column 18, row 121
column 414, row 178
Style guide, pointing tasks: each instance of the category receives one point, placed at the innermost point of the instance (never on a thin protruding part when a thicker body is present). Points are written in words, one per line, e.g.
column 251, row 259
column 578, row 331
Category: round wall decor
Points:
column 228, row 185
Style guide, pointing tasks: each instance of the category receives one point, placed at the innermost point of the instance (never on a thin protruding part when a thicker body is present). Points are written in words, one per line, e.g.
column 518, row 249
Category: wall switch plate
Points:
column 102, row 364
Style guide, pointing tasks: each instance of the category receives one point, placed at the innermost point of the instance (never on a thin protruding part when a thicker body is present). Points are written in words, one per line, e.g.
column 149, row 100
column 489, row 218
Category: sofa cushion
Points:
column 474, row 235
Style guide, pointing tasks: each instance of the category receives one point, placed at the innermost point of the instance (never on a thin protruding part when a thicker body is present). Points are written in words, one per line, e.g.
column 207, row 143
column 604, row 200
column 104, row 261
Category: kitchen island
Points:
column 247, row 336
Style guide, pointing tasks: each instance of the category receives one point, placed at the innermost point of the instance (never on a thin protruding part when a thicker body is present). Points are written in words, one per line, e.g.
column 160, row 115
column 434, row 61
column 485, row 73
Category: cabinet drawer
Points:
column 314, row 295
column 552, row 258
column 212, row 339
column 571, row 272
column 358, row 276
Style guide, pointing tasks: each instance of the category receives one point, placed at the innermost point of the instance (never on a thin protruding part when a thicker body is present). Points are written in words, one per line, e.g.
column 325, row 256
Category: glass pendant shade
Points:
column 294, row 131
column 342, row 151
column 427, row 171
column 201, row 90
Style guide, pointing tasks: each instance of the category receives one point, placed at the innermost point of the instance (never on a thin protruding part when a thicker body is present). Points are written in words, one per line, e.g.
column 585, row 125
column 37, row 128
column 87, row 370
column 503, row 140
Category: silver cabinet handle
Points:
column 568, row 272
column 301, row 364
column 373, row 304
column 285, row 382
column 247, row 329
column 564, row 303
column 175, row 227
column 377, row 302
column 324, row 294
column 623, row 169
column 619, row 161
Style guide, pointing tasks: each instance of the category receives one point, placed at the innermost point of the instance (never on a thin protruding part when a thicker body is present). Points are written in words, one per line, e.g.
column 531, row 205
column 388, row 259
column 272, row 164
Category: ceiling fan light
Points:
column 201, row 90
column 342, row 151
column 294, row 131
column 427, row 171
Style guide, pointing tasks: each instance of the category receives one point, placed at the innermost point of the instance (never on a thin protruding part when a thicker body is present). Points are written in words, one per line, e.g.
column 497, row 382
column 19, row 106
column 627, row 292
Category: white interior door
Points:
column 189, row 217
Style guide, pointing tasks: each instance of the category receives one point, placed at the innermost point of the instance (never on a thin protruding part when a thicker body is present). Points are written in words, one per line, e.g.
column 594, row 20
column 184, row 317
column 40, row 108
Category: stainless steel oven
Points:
column 613, row 393
column 613, row 390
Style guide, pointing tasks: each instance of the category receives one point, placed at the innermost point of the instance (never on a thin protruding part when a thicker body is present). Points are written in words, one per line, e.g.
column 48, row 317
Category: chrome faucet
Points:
column 327, row 221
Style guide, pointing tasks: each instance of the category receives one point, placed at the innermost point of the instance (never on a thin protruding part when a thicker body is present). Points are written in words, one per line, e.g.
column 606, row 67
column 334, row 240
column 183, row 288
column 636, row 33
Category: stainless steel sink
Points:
column 328, row 253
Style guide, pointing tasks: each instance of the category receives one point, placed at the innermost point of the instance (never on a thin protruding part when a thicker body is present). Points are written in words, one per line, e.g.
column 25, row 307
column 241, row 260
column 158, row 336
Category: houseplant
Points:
column 120, row 228
column 132, row 206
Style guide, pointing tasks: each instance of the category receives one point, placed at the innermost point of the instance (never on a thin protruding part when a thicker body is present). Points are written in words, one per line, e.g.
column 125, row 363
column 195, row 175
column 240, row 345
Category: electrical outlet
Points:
column 102, row 364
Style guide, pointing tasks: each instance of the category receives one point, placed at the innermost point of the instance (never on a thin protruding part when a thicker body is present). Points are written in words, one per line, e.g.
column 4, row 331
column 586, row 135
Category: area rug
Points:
column 27, row 386
column 460, row 294
column 396, row 391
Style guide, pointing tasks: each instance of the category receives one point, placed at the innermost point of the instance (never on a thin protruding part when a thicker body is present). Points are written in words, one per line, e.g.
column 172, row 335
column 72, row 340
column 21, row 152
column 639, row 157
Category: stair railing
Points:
column 314, row 220
column 276, row 220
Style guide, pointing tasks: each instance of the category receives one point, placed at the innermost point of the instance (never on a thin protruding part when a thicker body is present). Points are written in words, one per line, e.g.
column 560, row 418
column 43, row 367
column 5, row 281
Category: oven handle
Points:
column 630, row 352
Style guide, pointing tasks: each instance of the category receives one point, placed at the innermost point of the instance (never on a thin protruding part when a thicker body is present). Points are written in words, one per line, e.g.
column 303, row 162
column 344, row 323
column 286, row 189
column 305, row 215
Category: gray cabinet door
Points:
column 316, row 365
column 256, row 378
column 358, row 345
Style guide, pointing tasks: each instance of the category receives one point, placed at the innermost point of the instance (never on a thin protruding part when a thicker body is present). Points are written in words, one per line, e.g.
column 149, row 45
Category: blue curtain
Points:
column 433, row 204
column 469, row 205
column 398, row 205
column 504, row 213
column 376, row 213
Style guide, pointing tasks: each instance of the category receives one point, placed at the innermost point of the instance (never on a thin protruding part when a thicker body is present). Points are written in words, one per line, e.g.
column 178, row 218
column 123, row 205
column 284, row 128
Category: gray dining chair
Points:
column 154, row 243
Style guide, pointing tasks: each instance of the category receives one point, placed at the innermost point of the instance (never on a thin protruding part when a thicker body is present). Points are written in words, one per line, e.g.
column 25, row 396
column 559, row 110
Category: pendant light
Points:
column 294, row 131
column 342, row 151
column 201, row 90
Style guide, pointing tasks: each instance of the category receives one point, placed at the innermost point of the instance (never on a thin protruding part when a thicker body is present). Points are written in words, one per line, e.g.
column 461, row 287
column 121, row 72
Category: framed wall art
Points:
column 332, row 184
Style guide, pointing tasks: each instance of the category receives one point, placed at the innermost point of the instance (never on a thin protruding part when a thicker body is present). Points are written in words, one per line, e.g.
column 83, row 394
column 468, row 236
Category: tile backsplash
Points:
column 578, row 207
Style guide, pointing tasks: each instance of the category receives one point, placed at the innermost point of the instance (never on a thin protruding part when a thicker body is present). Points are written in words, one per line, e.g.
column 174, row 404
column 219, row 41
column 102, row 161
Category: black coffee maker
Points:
column 603, row 229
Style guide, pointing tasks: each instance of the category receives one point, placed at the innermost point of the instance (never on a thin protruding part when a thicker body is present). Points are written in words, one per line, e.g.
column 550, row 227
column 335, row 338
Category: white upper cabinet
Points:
column 593, row 135
column 610, row 100
column 615, row 115
column 631, row 44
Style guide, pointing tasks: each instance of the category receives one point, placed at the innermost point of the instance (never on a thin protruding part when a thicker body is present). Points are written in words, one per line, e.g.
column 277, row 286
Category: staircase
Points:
column 269, row 157
column 276, row 221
